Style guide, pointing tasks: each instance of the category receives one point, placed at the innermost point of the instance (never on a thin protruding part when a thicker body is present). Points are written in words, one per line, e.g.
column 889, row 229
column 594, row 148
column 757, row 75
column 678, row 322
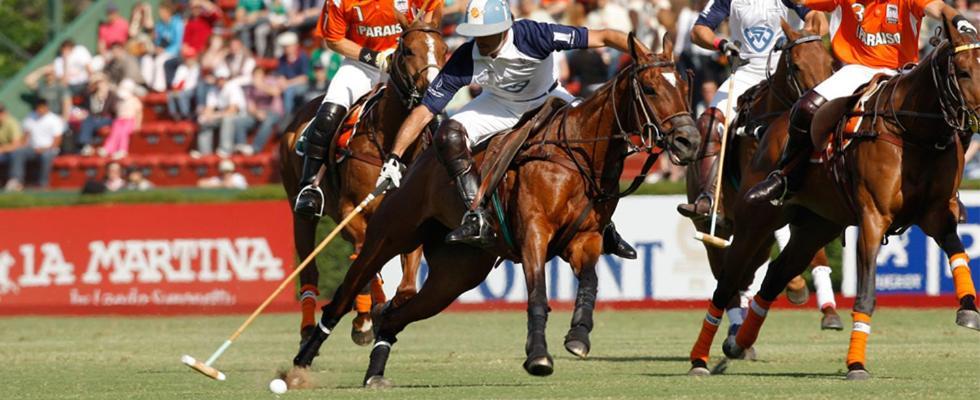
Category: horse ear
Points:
column 668, row 48
column 790, row 33
column 402, row 19
column 631, row 40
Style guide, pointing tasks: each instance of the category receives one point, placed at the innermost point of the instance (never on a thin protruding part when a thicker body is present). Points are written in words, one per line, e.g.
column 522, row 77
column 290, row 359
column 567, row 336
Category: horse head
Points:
column 960, row 93
column 806, row 60
column 659, row 99
column 420, row 54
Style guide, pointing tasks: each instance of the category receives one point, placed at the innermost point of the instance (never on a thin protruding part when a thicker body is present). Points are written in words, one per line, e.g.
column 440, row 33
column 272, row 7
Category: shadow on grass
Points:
column 443, row 386
column 638, row 358
column 805, row 375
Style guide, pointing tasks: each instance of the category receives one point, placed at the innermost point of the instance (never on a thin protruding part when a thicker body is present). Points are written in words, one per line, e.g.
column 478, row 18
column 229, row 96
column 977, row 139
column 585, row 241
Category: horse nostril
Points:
column 682, row 143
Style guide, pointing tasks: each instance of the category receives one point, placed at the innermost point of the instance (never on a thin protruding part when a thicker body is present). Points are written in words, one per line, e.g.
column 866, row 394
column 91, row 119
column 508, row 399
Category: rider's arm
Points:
column 345, row 47
column 612, row 38
column 937, row 9
column 455, row 75
column 816, row 22
column 710, row 19
column 335, row 34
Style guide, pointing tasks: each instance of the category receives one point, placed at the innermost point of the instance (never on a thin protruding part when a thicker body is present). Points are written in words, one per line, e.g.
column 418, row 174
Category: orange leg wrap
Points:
column 749, row 331
column 962, row 281
column 859, row 338
column 362, row 304
column 708, row 328
column 308, row 295
column 378, row 291
column 352, row 257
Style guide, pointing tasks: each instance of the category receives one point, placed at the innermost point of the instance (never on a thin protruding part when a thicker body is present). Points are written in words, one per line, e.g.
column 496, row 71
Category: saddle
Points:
column 843, row 119
column 502, row 149
column 340, row 146
column 744, row 124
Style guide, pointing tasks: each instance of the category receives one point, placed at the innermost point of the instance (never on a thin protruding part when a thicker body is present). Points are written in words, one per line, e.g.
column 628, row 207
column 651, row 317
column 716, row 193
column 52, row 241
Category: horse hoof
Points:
column 539, row 366
column 831, row 322
column 377, row 382
column 968, row 319
column 732, row 349
column 699, row 371
column 858, row 375
column 798, row 297
column 577, row 348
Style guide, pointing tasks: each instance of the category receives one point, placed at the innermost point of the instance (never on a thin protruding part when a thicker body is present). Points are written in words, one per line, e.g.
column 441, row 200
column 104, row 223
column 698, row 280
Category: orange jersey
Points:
column 875, row 33
column 369, row 23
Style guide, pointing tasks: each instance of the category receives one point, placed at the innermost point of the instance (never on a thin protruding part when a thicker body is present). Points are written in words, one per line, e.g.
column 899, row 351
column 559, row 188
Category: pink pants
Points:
column 118, row 139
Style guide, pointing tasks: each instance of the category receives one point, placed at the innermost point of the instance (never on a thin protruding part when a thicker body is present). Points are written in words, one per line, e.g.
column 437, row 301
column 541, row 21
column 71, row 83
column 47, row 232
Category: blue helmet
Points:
column 485, row 18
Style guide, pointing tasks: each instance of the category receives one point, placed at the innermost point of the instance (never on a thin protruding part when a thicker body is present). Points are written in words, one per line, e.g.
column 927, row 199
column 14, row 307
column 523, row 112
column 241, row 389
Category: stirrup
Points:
column 316, row 189
column 777, row 174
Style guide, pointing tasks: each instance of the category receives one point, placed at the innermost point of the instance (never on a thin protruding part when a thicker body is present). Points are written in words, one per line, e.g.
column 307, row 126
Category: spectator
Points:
column 10, row 135
column 249, row 15
column 240, row 62
column 122, row 65
column 100, row 106
column 708, row 90
column 46, row 86
column 114, row 180
column 303, row 15
column 224, row 108
column 588, row 69
column 215, row 54
column 43, row 130
column 141, row 21
column 168, row 33
column 529, row 9
column 264, row 109
column 186, row 87
column 129, row 116
column 279, row 15
column 136, row 181
column 227, row 178
column 650, row 19
column 114, row 30
column 607, row 15
column 318, row 84
column 294, row 67
column 72, row 66
column 199, row 27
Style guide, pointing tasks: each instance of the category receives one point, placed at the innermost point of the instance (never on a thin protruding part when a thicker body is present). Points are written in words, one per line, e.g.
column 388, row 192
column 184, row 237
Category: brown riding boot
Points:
column 710, row 124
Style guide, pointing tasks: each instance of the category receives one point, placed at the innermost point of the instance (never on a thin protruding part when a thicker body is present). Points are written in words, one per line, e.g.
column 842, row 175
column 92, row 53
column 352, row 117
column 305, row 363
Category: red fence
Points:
column 144, row 259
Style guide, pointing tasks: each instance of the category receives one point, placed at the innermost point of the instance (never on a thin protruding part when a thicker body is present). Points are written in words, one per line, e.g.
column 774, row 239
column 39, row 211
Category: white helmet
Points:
column 485, row 18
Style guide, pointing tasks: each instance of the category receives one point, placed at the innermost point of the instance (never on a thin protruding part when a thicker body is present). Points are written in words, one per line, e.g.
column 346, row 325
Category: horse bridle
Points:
column 791, row 69
column 404, row 84
column 651, row 133
column 953, row 105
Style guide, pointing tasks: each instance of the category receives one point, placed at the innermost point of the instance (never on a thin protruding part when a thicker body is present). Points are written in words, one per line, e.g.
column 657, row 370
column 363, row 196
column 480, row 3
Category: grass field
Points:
column 642, row 354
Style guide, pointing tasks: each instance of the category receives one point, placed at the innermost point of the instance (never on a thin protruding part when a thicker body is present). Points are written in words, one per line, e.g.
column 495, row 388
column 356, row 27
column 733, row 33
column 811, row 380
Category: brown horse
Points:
column 346, row 183
column 803, row 63
column 904, row 168
column 572, row 165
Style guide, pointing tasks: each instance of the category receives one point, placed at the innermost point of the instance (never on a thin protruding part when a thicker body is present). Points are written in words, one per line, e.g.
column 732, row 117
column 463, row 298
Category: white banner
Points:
column 671, row 264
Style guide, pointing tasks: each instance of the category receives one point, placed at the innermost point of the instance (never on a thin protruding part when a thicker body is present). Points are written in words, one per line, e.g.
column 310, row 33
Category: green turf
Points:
column 913, row 354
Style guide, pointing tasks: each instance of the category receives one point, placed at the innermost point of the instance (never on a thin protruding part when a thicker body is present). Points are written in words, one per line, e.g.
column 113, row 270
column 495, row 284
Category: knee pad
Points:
column 710, row 124
column 328, row 119
column 803, row 111
column 453, row 148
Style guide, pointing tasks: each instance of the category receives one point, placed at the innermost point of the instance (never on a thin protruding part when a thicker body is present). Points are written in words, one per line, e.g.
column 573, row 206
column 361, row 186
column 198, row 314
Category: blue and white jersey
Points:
column 753, row 23
column 524, row 69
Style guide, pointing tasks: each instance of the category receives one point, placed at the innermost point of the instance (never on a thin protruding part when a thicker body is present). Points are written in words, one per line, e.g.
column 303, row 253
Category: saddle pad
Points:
column 349, row 128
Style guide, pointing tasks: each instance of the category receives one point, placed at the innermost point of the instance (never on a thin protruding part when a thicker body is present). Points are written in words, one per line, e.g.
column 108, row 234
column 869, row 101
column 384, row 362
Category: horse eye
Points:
column 407, row 52
column 649, row 91
column 962, row 75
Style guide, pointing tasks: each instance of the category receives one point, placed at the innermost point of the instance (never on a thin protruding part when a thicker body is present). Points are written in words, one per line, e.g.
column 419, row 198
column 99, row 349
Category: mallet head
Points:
column 713, row 241
column 203, row 368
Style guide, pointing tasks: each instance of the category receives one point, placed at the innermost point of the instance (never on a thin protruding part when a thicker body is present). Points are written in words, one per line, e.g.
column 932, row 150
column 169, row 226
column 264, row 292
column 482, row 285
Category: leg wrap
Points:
column 962, row 281
column 379, row 359
column 749, row 332
column 825, row 289
column 362, row 303
column 308, row 296
column 702, row 347
column 537, row 321
column 585, row 301
column 859, row 339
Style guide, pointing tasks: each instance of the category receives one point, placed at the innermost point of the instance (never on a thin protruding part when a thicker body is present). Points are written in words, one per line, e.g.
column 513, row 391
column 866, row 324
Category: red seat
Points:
column 258, row 169
column 155, row 99
column 147, row 140
column 65, row 172
column 268, row 64
column 175, row 170
column 205, row 166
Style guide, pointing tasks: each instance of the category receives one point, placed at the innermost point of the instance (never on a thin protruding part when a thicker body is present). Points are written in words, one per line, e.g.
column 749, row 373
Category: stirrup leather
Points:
column 316, row 189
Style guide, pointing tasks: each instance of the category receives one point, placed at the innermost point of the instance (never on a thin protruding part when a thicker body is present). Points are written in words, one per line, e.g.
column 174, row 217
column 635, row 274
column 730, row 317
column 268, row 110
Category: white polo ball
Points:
column 278, row 386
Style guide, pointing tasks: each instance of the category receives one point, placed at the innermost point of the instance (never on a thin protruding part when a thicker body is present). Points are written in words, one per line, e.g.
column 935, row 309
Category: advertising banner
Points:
column 144, row 259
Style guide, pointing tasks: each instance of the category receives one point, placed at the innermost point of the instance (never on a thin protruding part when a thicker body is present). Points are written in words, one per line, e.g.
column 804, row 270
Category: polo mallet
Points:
column 710, row 238
column 211, row 372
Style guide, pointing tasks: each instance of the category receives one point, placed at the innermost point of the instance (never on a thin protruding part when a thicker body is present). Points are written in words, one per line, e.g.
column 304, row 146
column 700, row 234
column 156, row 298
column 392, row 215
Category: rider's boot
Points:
column 792, row 165
column 613, row 243
column 710, row 124
column 309, row 202
column 454, row 152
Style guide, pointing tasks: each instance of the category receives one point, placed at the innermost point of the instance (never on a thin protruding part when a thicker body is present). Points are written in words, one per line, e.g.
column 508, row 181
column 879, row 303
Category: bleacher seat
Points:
column 66, row 172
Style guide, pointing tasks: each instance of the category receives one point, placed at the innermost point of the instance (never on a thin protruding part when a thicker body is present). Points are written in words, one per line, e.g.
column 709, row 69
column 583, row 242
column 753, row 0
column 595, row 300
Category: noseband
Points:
column 791, row 69
column 404, row 83
column 652, row 135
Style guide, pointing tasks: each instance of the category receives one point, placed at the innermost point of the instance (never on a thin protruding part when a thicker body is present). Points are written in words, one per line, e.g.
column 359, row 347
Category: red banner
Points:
column 145, row 259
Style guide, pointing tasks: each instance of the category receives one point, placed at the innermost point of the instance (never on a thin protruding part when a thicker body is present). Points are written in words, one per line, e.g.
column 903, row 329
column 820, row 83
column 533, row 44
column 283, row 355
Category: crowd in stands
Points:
column 235, row 71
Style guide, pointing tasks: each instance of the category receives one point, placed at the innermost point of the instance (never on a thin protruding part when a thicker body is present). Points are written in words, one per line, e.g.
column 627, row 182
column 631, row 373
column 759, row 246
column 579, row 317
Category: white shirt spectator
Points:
column 229, row 95
column 43, row 130
column 186, row 76
column 609, row 15
column 75, row 68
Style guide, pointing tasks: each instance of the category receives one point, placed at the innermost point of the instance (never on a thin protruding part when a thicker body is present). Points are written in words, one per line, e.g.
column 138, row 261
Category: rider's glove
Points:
column 728, row 48
column 378, row 59
column 391, row 171
column 963, row 25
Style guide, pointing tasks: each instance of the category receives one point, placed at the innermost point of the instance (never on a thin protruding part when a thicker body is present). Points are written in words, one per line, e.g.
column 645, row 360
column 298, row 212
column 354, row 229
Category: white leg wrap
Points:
column 735, row 316
column 323, row 328
column 758, row 310
column 862, row 327
column 825, row 289
column 382, row 343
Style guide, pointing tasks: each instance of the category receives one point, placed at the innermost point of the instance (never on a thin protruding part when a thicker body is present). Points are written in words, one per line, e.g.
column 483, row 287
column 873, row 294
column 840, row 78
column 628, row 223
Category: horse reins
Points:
column 791, row 79
column 408, row 91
